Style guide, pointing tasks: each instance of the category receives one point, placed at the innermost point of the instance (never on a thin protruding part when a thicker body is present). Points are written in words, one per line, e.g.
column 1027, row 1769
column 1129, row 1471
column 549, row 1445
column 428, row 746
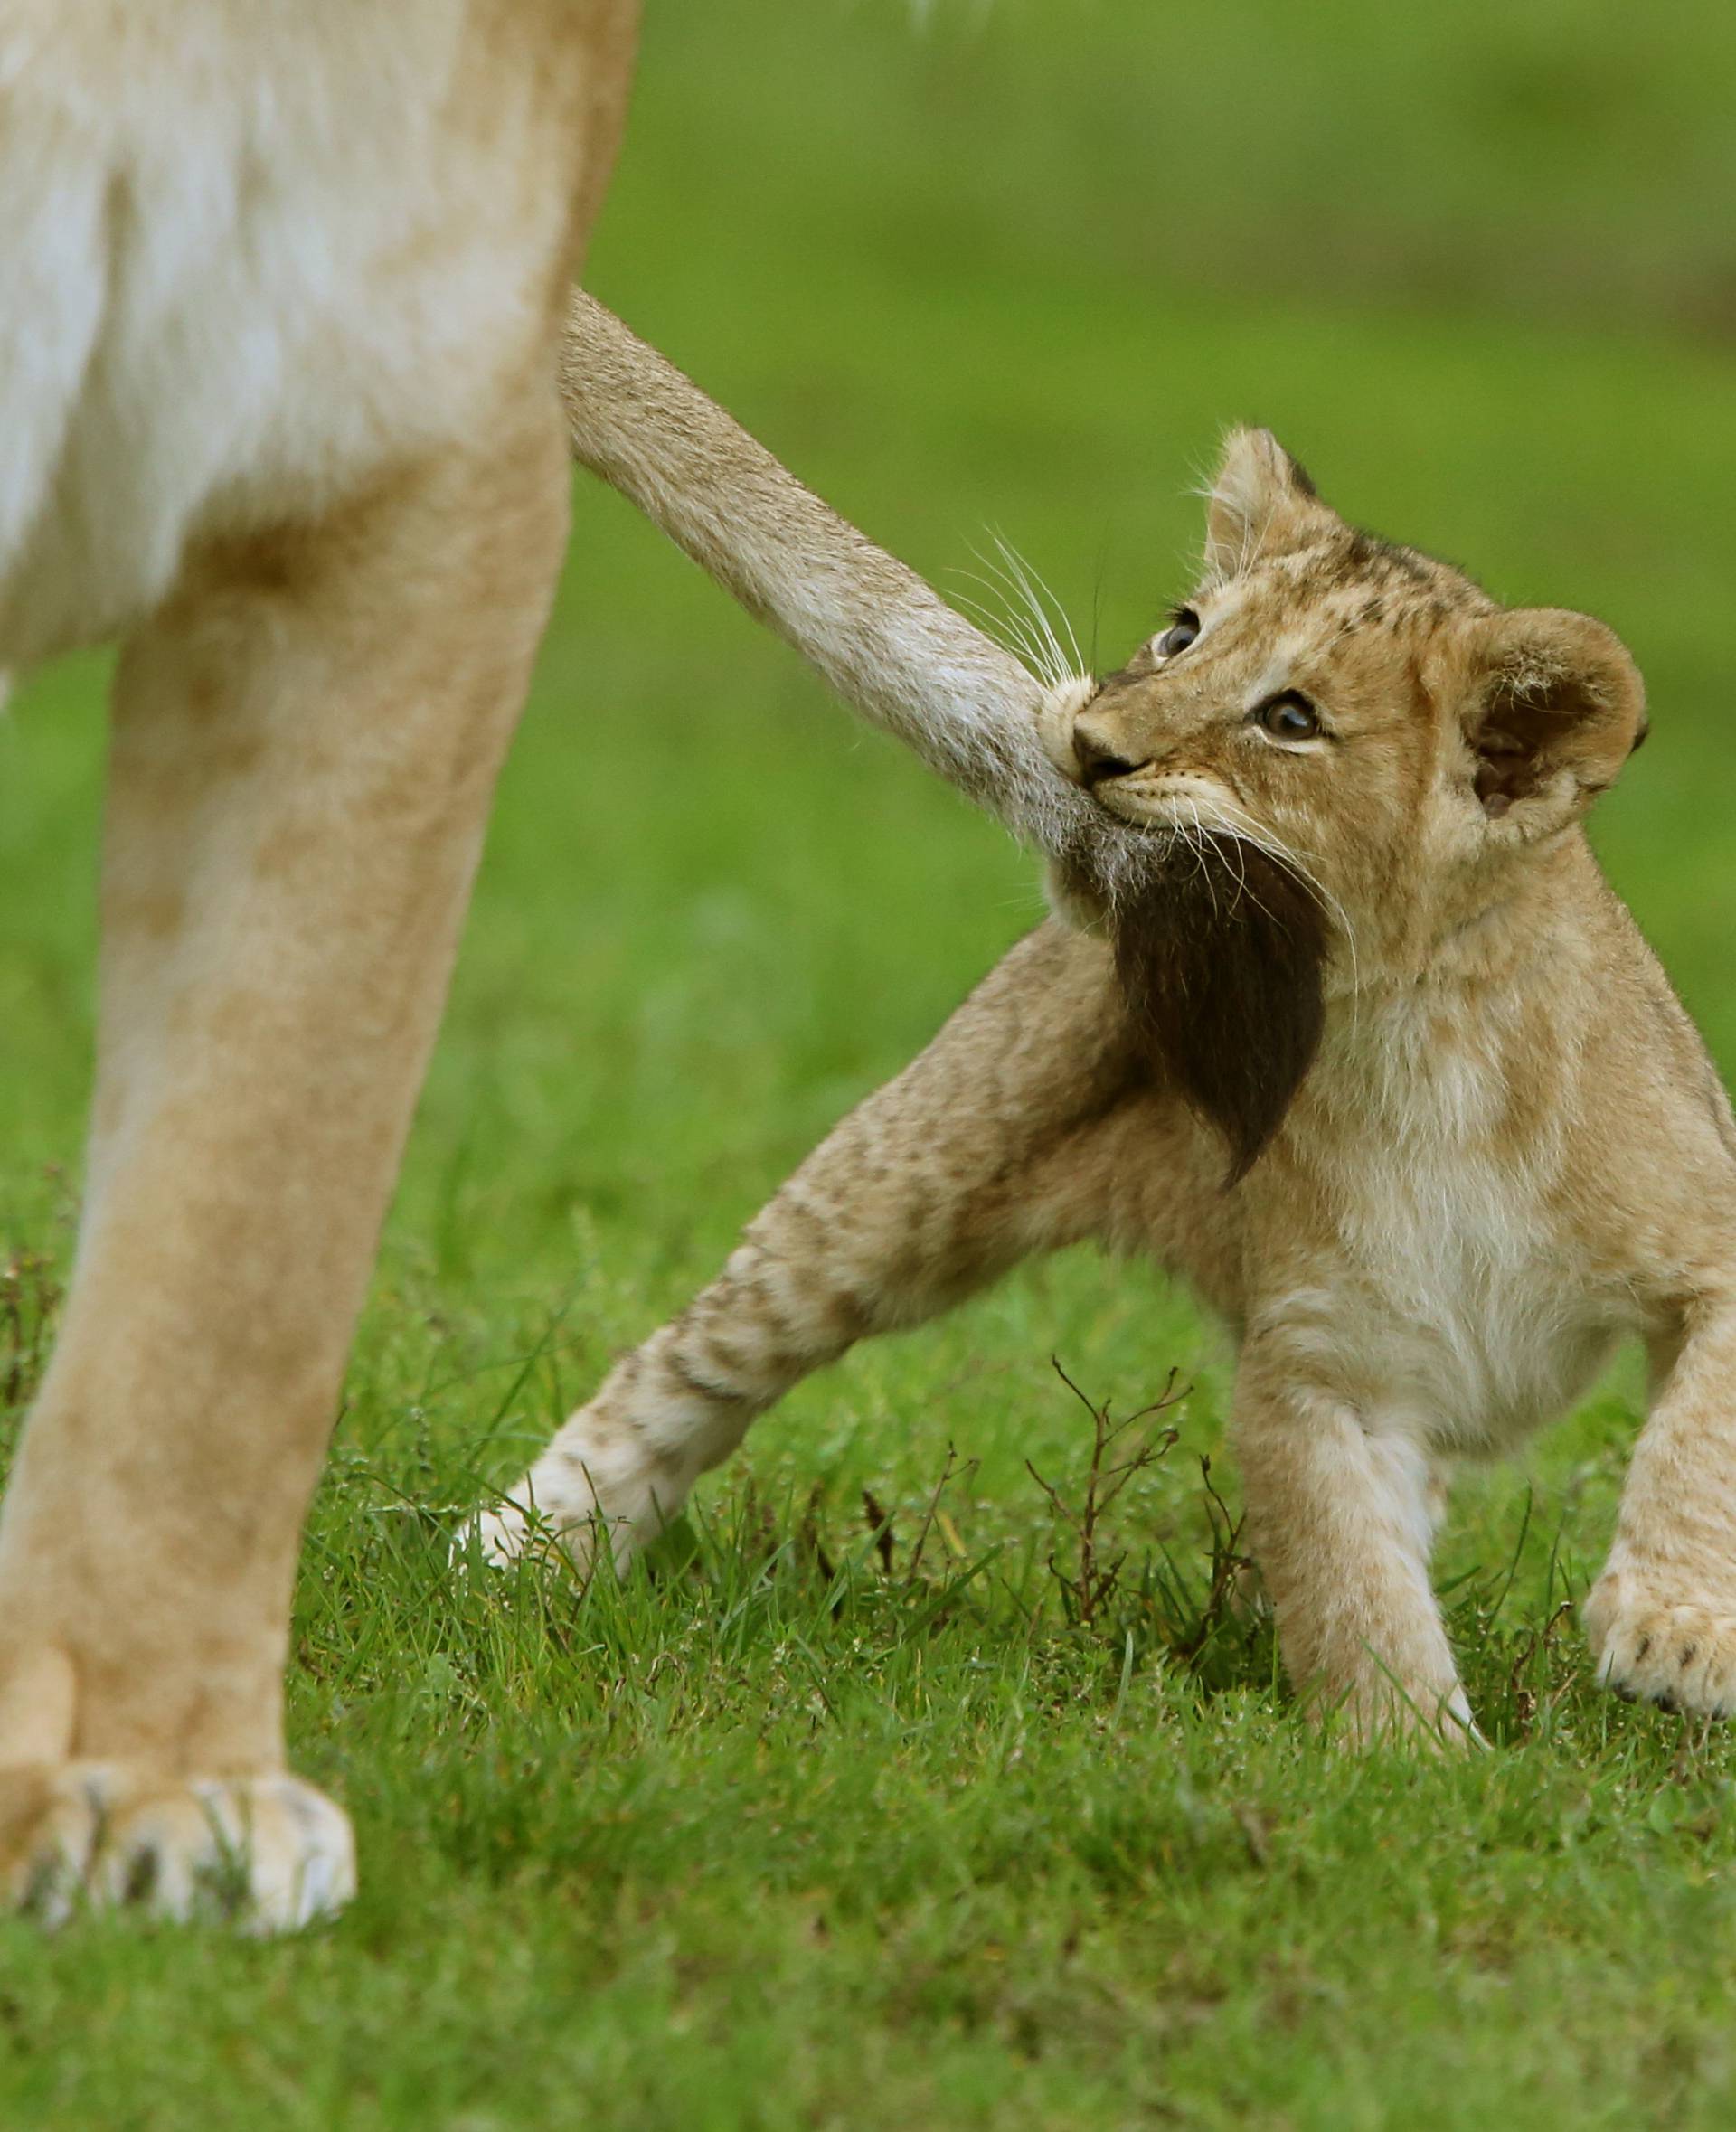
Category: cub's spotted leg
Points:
column 991, row 1146
column 304, row 744
column 1662, row 1617
column 1341, row 1522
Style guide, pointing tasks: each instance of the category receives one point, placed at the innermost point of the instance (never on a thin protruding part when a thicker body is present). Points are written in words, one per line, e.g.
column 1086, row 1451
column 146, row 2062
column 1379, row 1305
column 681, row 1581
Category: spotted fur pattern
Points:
column 1505, row 1152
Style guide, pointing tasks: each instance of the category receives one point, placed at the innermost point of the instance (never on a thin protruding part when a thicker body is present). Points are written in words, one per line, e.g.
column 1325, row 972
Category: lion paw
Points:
column 266, row 1854
column 1679, row 1655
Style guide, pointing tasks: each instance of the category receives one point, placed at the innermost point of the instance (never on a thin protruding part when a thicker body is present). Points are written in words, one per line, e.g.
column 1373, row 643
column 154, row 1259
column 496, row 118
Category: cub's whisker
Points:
column 1040, row 592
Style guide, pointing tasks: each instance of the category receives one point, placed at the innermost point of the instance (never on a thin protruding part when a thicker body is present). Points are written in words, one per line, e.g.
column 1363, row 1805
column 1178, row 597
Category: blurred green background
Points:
column 1015, row 268
column 969, row 270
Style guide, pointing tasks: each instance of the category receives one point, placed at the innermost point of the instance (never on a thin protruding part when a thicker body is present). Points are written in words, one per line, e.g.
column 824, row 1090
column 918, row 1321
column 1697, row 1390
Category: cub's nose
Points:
column 1096, row 758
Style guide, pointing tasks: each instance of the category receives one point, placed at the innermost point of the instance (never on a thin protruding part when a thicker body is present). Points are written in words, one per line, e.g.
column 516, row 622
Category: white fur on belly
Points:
column 240, row 261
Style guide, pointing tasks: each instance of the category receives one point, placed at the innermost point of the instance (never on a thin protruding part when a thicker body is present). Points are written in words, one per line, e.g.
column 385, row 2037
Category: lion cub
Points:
column 1368, row 1052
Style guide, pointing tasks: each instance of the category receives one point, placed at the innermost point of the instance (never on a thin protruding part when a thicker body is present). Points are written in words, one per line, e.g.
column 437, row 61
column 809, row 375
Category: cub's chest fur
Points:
column 1415, row 1238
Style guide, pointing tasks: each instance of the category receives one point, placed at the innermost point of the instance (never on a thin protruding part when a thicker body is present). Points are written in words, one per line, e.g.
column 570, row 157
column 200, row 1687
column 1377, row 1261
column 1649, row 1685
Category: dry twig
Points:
column 1090, row 1583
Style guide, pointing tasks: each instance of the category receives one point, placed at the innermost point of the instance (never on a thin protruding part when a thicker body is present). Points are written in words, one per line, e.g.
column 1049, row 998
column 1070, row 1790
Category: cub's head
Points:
column 1339, row 751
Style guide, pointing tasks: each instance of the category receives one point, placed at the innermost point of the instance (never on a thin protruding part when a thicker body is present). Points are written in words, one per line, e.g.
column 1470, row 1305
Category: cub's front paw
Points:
column 1652, row 1646
column 265, row 1854
column 1382, row 1713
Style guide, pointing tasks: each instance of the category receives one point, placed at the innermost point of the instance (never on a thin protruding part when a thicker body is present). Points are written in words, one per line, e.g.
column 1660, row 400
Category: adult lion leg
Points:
column 306, row 741
column 1341, row 1522
column 990, row 1147
column 1662, row 1616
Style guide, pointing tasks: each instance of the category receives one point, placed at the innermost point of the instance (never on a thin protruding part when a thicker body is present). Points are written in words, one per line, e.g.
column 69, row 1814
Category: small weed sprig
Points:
column 1523, row 1698
column 1089, row 1583
column 950, row 1471
column 1229, row 1572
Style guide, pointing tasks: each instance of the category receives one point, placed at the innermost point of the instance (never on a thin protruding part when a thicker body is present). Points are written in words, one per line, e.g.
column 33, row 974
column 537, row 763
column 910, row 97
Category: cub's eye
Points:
column 1289, row 717
column 1180, row 634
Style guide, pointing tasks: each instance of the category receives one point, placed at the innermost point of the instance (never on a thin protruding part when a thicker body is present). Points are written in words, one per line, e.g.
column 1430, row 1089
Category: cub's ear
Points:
column 1260, row 503
column 1556, row 707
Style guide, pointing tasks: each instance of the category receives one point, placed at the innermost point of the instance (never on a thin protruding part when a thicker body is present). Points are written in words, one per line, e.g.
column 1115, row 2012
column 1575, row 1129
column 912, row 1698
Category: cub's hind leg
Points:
column 988, row 1147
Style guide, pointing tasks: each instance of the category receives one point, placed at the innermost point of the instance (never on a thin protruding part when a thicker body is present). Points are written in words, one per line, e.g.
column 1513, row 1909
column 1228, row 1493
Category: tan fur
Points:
column 888, row 644
column 284, row 283
column 282, row 417
column 1511, row 1150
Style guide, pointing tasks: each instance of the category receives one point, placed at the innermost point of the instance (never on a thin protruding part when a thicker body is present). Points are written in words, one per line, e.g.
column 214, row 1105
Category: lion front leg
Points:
column 1661, row 1619
column 1341, row 1522
column 306, row 744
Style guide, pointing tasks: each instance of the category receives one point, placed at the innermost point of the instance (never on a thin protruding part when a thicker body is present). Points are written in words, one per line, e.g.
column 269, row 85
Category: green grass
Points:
column 771, row 1835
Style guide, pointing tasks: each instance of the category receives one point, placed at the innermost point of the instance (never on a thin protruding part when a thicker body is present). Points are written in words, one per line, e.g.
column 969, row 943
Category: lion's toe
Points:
column 266, row 1854
column 1679, row 1654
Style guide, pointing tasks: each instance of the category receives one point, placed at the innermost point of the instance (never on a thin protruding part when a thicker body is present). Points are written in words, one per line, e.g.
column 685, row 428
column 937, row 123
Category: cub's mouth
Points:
column 1192, row 806
column 1221, row 948
column 1148, row 797
column 1057, row 713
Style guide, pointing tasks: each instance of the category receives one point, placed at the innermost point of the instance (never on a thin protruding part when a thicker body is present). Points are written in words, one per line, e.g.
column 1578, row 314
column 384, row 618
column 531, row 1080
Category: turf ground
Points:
column 780, row 1833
